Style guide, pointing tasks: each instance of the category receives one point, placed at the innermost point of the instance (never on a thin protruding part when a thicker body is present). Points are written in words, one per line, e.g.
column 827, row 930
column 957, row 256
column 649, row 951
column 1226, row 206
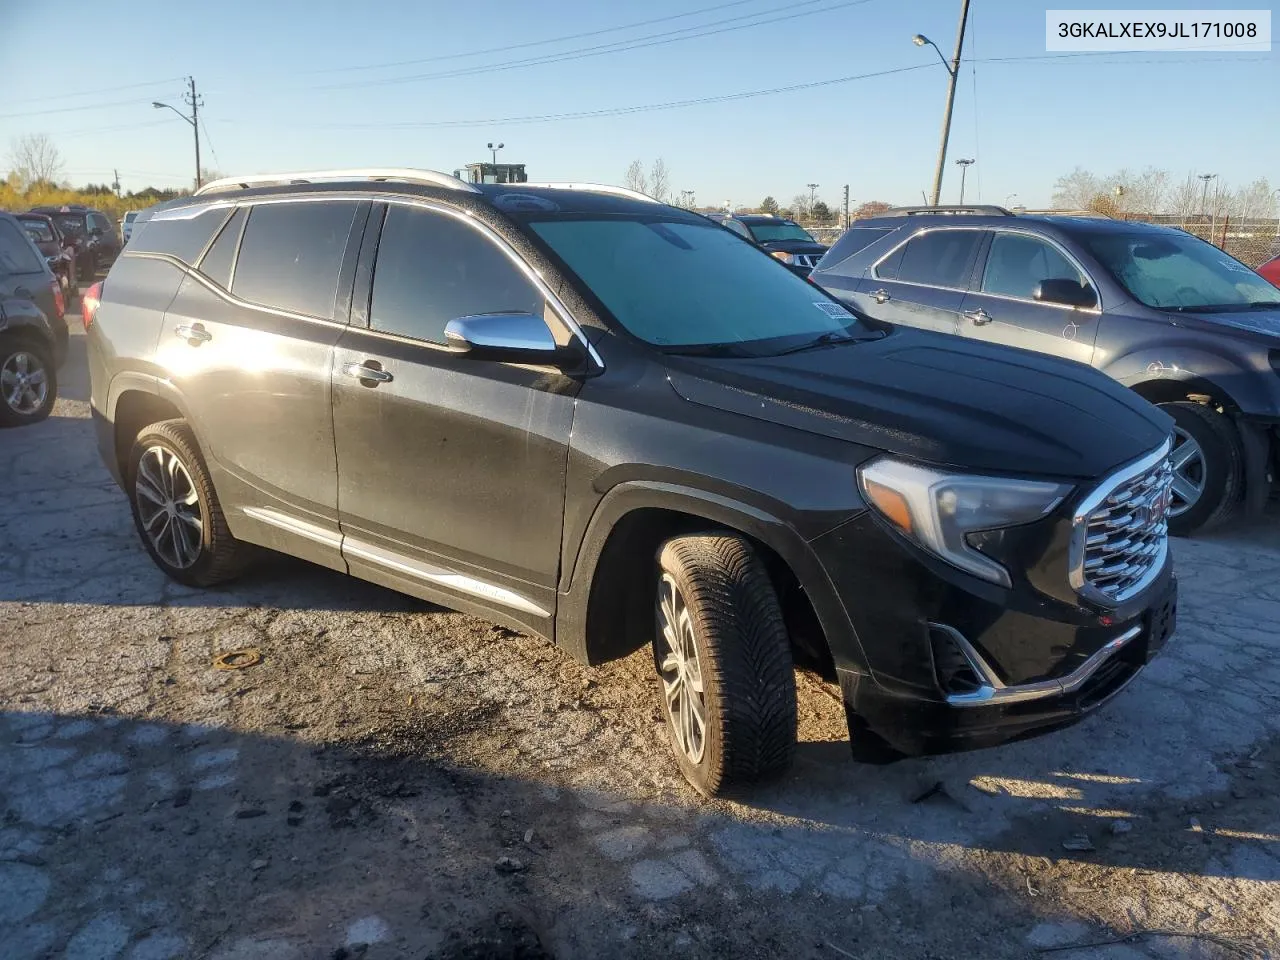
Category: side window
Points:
column 183, row 239
column 217, row 262
column 1017, row 263
column 101, row 222
column 433, row 268
column 940, row 258
column 292, row 253
column 17, row 253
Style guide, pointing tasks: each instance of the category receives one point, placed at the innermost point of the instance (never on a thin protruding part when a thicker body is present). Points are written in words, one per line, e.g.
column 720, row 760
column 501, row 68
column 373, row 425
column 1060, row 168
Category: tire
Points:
column 192, row 544
column 742, row 661
column 73, row 285
column 28, row 381
column 1221, row 472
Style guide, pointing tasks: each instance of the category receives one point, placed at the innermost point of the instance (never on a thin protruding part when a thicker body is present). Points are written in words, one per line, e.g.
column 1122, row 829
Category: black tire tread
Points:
column 1224, row 432
column 747, row 654
column 224, row 557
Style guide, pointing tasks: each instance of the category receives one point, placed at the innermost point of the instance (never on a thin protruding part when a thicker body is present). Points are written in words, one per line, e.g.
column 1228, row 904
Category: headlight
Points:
column 939, row 510
column 789, row 258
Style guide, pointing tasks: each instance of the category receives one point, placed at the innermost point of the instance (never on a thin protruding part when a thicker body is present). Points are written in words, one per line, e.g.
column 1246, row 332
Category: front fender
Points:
column 1227, row 374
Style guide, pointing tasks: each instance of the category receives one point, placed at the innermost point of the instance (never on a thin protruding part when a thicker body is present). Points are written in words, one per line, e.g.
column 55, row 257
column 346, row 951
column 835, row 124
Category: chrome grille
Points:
column 1121, row 535
column 809, row 260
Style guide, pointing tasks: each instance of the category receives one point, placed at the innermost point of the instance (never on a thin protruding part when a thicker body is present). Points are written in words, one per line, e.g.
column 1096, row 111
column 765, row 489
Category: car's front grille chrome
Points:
column 1120, row 534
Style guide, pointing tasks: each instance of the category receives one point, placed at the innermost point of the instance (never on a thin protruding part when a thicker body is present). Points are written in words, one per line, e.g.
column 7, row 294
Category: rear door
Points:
column 922, row 282
column 25, row 275
column 451, row 470
column 108, row 238
column 1002, row 307
column 249, row 342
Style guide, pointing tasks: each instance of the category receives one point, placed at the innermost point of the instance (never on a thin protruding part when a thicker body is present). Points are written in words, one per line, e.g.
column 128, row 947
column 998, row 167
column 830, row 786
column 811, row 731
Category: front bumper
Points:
column 1035, row 658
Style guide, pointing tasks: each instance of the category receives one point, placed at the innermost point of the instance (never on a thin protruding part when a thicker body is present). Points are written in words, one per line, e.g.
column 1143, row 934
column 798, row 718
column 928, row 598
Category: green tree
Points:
column 821, row 212
column 769, row 205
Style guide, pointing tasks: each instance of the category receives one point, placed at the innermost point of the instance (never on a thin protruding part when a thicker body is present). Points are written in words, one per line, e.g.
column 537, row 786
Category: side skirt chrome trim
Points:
column 389, row 560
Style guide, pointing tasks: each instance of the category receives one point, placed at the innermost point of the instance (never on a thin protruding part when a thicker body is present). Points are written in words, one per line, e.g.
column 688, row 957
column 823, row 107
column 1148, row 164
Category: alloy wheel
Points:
column 681, row 671
column 169, row 507
column 24, row 383
column 1189, row 472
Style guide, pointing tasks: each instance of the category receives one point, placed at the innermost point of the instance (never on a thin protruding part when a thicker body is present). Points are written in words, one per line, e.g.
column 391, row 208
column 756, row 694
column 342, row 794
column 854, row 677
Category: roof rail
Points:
column 981, row 209
column 594, row 188
column 403, row 174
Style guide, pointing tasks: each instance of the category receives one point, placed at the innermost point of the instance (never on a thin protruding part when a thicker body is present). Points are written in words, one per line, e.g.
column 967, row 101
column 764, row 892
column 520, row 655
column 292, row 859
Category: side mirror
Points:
column 1069, row 293
column 507, row 338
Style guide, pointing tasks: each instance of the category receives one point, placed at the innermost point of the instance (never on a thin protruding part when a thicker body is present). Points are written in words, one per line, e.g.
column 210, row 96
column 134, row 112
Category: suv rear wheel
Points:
column 1208, row 468
column 176, row 509
column 724, row 663
column 28, row 381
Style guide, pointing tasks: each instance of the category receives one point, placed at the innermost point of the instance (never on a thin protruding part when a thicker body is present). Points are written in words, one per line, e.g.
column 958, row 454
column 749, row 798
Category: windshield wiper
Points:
column 1228, row 307
column 707, row 350
column 826, row 339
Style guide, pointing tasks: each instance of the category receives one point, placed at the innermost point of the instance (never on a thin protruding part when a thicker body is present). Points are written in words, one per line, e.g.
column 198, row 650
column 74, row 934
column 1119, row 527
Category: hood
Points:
column 1266, row 322
column 940, row 399
column 794, row 246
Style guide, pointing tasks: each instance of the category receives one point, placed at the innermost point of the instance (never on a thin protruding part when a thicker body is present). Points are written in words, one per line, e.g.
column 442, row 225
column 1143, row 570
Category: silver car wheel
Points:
column 1189, row 472
column 24, row 383
column 681, row 671
column 168, row 507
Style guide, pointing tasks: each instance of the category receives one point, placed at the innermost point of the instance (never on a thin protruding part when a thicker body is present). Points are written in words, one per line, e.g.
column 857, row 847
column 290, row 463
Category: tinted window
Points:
column 39, row 230
column 291, row 255
column 17, row 255
column 680, row 284
column 183, row 239
column 1017, row 263
column 939, row 258
column 216, row 264
column 854, row 240
column 433, row 268
column 70, row 223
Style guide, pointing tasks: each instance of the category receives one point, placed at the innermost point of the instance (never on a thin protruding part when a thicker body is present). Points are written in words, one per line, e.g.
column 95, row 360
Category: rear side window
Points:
column 17, row 253
column 939, row 258
column 217, row 263
column 292, row 253
column 854, row 240
column 183, row 239
column 433, row 268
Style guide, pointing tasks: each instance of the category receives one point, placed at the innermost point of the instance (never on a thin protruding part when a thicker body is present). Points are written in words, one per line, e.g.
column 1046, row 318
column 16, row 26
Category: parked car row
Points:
column 611, row 423
column 33, row 327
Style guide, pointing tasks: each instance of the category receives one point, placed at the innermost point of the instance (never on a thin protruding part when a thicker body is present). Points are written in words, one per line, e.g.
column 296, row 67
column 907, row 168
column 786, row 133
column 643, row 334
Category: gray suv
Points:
column 1175, row 319
column 609, row 422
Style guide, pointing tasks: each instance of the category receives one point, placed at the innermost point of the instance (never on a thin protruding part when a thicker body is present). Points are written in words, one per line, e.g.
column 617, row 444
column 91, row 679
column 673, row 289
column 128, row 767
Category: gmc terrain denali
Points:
column 611, row 423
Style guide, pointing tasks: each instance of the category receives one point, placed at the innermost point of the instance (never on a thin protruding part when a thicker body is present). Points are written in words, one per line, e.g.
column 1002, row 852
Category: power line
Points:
column 209, row 140
column 618, row 46
column 99, row 90
column 532, row 43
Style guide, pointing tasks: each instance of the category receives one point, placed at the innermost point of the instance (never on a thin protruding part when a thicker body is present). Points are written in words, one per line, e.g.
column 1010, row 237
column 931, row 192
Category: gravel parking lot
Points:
column 395, row 780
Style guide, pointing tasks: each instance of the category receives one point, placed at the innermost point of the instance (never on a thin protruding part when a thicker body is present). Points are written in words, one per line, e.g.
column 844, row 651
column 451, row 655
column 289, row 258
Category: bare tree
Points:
column 659, row 181
column 872, row 208
column 635, row 178
column 1074, row 190
column 800, row 206
column 35, row 159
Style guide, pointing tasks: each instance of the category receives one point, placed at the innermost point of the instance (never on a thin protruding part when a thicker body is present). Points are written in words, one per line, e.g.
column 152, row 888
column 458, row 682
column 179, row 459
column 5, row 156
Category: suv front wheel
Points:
column 176, row 510
column 724, row 663
column 1208, row 468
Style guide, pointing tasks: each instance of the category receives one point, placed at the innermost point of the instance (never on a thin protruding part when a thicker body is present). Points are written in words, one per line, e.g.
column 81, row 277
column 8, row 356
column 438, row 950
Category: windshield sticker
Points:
column 833, row 310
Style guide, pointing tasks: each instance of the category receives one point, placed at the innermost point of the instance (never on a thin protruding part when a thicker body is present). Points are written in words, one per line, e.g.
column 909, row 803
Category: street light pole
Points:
column 494, row 150
column 1204, row 193
column 812, row 191
column 964, row 169
column 953, row 71
column 191, row 99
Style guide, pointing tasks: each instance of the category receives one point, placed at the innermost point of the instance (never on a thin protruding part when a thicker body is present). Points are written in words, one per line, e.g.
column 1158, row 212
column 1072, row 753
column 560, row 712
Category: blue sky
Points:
column 281, row 92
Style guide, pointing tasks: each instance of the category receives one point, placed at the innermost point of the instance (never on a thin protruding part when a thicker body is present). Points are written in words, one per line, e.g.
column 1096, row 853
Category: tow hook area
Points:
column 1259, row 473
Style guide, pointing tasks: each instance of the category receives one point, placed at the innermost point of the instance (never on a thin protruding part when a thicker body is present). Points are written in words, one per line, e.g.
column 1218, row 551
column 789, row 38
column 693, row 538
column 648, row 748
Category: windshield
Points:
column 768, row 232
column 1176, row 271
column 72, row 223
column 39, row 230
column 679, row 285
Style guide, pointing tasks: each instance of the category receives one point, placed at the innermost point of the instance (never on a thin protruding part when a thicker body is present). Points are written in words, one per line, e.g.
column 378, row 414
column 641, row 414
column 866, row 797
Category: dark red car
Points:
column 58, row 249
column 1271, row 270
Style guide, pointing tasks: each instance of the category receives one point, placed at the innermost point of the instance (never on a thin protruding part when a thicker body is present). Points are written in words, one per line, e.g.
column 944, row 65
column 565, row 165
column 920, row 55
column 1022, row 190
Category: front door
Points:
column 451, row 470
column 922, row 283
column 1003, row 308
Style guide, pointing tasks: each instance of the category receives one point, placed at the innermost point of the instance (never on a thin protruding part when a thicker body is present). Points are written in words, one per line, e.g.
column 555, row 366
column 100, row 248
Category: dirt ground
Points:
column 398, row 781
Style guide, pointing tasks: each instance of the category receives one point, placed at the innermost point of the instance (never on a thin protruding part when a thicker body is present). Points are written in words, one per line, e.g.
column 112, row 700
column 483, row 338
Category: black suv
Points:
column 97, row 241
column 1174, row 318
column 607, row 422
column 33, row 328
column 783, row 239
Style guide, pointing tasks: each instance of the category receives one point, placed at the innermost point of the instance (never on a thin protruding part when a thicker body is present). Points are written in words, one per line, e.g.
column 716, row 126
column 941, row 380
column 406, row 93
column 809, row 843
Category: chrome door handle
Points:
column 362, row 371
column 194, row 333
column 881, row 295
column 979, row 317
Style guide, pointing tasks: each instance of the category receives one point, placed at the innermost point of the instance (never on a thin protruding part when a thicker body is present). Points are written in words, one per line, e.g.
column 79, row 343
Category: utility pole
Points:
column 115, row 184
column 953, row 71
column 846, row 206
column 964, row 169
column 191, row 99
